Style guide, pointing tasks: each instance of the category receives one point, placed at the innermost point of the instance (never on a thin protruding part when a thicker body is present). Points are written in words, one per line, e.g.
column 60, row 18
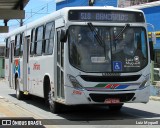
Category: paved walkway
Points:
column 156, row 98
column 9, row 109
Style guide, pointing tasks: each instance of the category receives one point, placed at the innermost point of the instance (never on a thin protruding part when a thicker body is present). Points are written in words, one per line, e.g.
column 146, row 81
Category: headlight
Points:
column 145, row 83
column 74, row 82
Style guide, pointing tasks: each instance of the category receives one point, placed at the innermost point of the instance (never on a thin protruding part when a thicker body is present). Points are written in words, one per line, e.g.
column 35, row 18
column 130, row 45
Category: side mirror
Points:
column 63, row 35
column 151, row 50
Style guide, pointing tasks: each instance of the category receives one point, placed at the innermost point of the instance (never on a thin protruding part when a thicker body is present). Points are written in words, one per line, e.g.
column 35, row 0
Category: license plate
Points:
column 112, row 101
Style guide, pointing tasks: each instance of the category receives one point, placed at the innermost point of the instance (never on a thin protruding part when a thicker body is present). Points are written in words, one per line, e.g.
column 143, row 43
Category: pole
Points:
column 152, row 62
column 21, row 22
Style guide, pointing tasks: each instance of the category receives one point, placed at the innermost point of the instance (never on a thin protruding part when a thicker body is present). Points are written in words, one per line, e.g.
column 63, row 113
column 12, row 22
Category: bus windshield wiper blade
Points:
column 98, row 38
column 96, row 35
column 120, row 33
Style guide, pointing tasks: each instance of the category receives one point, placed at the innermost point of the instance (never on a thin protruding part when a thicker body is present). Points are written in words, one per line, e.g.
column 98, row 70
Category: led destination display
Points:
column 108, row 16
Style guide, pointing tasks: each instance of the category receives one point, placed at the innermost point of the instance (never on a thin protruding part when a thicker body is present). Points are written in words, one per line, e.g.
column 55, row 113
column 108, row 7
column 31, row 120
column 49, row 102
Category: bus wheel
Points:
column 54, row 106
column 115, row 107
column 19, row 94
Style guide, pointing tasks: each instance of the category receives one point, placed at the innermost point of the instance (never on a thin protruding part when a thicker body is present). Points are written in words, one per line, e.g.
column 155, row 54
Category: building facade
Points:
column 70, row 3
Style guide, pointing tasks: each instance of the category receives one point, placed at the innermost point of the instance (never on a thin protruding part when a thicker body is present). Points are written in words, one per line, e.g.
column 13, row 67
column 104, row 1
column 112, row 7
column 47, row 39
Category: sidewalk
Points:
column 155, row 91
column 12, row 110
column 9, row 109
column 155, row 98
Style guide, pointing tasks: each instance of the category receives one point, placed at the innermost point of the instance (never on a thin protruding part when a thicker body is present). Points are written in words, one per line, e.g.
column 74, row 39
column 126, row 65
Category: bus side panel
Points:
column 39, row 67
column 11, row 65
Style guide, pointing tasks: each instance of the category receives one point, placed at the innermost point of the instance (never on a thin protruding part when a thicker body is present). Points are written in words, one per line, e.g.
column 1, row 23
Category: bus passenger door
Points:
column 11, row 64
column 59, row 93
column 25, row 62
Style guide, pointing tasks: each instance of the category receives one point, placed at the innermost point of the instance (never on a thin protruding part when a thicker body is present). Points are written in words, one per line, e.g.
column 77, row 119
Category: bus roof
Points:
column 60, row 13
column 101, row 8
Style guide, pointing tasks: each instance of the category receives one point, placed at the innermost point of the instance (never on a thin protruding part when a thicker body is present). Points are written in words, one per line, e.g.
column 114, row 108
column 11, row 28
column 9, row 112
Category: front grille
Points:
column 110, row 78
column 102, row 97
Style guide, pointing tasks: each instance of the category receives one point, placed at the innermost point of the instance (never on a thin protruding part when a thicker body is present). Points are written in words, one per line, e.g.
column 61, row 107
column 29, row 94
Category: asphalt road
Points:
column 88, row 116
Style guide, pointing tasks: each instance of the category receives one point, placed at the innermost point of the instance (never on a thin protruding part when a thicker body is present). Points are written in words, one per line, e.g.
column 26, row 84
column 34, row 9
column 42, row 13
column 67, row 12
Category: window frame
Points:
column 37, row 40
column 32, row 50
column 8, row 40
column 21, row 45
column 17, row 47
column 49, row 37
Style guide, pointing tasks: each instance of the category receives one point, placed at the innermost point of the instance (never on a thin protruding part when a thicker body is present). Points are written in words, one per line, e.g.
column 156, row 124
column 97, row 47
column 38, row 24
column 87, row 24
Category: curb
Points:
column 155, row 98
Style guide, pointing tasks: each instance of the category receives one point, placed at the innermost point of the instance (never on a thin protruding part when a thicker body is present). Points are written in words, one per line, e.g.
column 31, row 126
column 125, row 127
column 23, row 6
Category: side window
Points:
column 32, row 46
column 49, row 38
column 17, row 44
column 21, row 45
column 140, row 41
column 2, row 51
column 7, row 47
column 39, row 40
column 143, row 44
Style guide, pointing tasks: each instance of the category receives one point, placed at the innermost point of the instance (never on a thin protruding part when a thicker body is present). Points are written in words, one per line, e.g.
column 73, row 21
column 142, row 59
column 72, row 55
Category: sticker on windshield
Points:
column 135, row 62
column 98, row 60
column 117, row 66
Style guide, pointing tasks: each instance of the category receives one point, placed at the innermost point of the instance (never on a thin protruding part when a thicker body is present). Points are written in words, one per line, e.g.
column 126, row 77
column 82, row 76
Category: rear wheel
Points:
column 19, row 94
column 115, row 107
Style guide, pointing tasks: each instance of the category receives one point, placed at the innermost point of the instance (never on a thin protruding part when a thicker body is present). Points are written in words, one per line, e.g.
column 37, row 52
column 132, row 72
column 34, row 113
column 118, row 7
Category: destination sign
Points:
column 105, row 16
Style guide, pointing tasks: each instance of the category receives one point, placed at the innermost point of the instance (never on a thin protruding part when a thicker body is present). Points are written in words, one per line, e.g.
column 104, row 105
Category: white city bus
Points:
column 78, row 55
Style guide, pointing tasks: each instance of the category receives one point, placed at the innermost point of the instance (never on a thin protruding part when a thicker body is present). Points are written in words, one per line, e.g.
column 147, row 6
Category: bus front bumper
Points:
column 81, row 96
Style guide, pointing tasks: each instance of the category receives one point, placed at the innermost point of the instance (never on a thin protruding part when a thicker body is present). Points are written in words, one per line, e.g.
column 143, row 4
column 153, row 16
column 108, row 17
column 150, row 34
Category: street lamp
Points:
column 91, row 2
column 153, row 35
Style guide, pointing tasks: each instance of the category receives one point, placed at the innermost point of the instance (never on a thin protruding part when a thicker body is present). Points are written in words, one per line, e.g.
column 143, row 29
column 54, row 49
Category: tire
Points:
column 115, row 107
column 54, row 106
column 46, row 92
column 19, row 94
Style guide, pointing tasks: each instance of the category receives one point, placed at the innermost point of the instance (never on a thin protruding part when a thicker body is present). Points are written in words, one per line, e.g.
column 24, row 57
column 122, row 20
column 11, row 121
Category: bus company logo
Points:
column 17, row 67
column 36, row 66
column 136, row 58
column 111, row 86
column 16, row 63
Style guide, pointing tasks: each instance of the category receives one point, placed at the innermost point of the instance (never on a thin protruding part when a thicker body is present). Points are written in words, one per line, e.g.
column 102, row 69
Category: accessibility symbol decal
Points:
column 117, row 66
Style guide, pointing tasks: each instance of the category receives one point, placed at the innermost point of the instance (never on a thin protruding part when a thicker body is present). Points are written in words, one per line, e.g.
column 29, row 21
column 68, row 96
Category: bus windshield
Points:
column 107, row 48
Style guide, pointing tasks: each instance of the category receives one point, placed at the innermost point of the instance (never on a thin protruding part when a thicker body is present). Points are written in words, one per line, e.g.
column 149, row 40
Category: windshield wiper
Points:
column 96, row 35
column 98, row 38
column 120, row 33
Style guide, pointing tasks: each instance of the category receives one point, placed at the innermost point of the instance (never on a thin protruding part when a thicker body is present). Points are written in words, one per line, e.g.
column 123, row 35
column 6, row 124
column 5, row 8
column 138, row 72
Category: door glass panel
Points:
column 62, row 84
column 62, row 54
column 60, row 65
column 58, row 47
column 58, row 81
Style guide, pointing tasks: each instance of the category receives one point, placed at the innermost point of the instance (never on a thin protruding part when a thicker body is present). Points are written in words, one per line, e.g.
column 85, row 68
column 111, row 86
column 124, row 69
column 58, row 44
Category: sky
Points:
column 38, row 8
column 33, row 10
